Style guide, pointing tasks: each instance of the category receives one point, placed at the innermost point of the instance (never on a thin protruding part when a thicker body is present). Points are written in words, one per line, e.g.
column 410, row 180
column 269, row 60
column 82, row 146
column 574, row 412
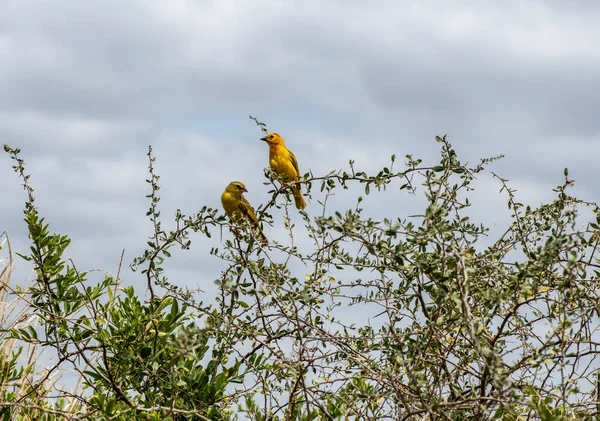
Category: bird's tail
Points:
column 298, row 198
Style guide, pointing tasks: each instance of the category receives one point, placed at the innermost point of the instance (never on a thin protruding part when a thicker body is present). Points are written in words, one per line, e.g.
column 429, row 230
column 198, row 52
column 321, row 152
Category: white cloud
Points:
column 86, row 86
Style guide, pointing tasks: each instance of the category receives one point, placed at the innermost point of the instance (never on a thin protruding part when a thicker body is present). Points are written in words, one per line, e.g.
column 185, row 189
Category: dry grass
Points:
column 28, row 390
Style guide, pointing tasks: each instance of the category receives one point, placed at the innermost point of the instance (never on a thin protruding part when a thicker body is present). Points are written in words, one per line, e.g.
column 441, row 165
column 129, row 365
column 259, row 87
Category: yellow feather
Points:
column 238, row 208
column 284, row 163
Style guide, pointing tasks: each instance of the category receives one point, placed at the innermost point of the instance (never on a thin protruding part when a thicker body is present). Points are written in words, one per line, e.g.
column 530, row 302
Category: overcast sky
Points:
column 86, row 86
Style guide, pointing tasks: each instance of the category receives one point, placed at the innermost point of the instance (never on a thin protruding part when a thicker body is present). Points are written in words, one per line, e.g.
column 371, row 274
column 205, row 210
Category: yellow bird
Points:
column 238, row 208
column 283, row 162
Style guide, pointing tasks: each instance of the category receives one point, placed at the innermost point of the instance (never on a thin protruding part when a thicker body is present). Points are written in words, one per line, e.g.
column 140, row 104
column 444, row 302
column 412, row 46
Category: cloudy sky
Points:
column 85, row 87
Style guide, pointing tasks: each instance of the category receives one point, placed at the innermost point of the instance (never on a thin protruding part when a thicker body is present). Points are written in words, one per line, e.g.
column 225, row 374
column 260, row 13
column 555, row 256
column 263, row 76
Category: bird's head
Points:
column 273, row 139
column 236, row 187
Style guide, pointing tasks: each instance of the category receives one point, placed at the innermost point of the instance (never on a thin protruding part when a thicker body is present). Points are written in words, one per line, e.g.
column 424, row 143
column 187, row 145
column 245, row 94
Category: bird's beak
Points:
column 264, row 139
column 245, row 191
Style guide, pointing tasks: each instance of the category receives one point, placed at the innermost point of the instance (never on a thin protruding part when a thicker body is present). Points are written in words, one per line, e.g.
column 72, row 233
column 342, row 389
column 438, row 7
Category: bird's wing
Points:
column 294, row 162
column 247, row 211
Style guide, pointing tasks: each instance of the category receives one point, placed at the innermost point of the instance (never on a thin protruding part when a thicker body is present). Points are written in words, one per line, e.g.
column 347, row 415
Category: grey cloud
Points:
column 118, row 59
column 65, row 136
column 110, row 58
